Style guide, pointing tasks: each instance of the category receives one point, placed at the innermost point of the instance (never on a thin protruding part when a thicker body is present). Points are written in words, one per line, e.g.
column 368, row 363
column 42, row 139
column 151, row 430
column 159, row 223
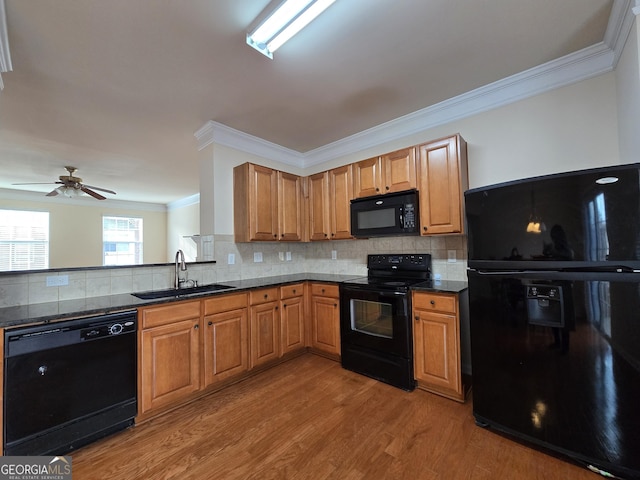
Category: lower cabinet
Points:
column 188, row 348
column 325, row 318
column 169, row 354
column 264, row 327
column 436, row 332
column 292, row 313
column 226, row 327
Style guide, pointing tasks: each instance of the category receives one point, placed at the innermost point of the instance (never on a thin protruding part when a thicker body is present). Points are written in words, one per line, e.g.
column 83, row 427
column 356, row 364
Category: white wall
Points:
column 182, row 222
column 628, row 88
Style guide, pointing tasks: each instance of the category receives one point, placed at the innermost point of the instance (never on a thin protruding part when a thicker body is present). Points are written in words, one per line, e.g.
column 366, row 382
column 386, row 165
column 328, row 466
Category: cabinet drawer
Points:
column 325, row 290
column 263, row 295
column 164, row 314
column 224, row 303
column 436, row 302
column 288, row 291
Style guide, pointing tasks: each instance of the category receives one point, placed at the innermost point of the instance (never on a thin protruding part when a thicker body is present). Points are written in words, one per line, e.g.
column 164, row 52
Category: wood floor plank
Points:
column 310, row 419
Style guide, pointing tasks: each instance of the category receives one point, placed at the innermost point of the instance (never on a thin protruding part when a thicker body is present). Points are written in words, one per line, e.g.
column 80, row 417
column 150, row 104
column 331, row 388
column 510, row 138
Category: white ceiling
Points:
column 118, row 88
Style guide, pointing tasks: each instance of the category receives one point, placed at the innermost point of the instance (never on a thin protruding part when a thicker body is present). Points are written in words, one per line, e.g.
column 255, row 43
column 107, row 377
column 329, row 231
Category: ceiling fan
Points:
column 72, row 186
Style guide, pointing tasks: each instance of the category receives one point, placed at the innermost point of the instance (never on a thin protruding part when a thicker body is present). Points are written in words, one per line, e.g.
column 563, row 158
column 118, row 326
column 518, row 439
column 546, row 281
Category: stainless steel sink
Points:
column 180, row 292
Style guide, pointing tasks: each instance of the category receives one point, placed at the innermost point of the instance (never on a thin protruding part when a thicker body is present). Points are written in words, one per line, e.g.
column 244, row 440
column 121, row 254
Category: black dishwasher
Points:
column 68, row 383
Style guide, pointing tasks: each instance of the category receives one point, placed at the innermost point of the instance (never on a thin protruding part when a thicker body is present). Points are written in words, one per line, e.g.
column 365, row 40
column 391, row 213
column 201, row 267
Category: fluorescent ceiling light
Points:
column 287, row 20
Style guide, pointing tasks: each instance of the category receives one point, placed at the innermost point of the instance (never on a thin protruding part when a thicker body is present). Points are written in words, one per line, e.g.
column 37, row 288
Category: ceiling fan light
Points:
column 70, row 192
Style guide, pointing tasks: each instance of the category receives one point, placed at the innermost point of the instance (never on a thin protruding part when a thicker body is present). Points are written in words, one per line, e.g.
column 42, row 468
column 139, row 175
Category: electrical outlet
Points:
column 281, row 256
column 57, row 280
column 288, row 256
column 451, row 256
column 231, row 259
column 257, row 257
column 334, row 254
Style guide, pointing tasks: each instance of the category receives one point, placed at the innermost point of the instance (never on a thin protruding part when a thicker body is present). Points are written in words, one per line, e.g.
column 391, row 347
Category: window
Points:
column 24, row 240
column 121, row 241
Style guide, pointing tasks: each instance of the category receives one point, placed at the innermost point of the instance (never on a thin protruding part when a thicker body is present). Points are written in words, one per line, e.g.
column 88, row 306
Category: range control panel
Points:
column 410, row 261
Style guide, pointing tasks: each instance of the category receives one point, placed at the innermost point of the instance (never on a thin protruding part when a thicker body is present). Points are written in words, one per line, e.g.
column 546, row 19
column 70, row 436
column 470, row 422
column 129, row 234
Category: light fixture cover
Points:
column 287, row 20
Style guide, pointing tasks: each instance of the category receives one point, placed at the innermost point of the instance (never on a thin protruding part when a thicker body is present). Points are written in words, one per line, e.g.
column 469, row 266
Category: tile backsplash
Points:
column 349, row 257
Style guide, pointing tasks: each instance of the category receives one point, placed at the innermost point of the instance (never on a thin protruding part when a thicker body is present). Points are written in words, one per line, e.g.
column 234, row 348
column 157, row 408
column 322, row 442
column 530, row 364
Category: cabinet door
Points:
column 170, row 363
column 325, row 317
column 225, row 345
column 319, row 206
column 340, row 196
column 399, row 170
column 367, row 177
column 265, row 333
column 291, row 325
column 289, row 207
column 442, row 178
column 255, row 203
column 437, row 351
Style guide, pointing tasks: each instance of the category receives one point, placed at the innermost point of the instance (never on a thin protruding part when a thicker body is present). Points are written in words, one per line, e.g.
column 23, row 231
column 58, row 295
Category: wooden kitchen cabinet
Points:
column 437, row 344
column 268, row 204
column 330, row 195
column 443, row 180
column 226, row 337
column 290, row 207
column 264, row 326
column 389, row 173
column 319, row 200
column 292, row 321
column 169, row 354
column 325, row 319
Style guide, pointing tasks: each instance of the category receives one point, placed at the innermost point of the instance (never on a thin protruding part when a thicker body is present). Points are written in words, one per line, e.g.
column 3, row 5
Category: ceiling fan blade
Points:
column 98, row 188
column 92, row 193
column 38, row 183
column 52, row 193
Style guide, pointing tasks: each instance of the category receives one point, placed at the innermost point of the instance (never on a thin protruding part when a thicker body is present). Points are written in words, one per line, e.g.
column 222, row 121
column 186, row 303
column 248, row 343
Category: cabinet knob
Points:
column 276, row 308
column 377, row 189
column 335, row 305
column 284, row 305
column 323, row 290
column 266, row 295
column 432, row 302
column 275, row 235
column 387, row 187
column 424, row 228
column 210, row 323
column 417, row 318
column 196, row 327
column 294, row 290
column 325, row 234
column 333, row 234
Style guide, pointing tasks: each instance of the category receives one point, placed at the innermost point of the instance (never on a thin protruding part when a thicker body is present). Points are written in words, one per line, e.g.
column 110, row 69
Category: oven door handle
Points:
column 352, row 288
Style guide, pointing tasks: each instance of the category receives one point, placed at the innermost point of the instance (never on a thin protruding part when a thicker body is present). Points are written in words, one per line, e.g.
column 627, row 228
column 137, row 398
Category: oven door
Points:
column 375, row 319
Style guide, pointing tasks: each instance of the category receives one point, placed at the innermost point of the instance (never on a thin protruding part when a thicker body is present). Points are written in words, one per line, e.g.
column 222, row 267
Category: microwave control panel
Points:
column 409, row 216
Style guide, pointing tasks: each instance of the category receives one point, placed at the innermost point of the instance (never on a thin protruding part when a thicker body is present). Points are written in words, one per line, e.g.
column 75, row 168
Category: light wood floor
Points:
column 309, row 418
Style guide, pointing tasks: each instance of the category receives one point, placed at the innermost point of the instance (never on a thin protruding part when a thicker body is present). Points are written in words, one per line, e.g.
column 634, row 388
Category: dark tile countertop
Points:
column 65, row 309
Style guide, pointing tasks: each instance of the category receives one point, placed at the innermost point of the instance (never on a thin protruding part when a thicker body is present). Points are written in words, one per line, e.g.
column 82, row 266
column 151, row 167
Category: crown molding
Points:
column 214, row 132
column 5, row 55
column 29, row 196
column 575, row 67
column 184, row 202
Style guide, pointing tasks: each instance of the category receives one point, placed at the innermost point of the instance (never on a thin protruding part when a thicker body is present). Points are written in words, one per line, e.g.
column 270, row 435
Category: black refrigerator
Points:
column 554, row 292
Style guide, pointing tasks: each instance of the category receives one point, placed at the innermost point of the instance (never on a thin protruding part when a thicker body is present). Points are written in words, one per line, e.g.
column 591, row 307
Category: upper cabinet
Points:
column 443, row 179
column 330, row 195
column 393, row 172
column 267, row 204
column 270, row 205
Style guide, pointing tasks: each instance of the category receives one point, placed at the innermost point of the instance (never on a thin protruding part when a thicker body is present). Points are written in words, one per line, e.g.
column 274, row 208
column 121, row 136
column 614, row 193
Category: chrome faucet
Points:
column 179, row 265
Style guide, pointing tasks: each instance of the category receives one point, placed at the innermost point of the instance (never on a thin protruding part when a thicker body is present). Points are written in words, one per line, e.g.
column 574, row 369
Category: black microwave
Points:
column 388, row 214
